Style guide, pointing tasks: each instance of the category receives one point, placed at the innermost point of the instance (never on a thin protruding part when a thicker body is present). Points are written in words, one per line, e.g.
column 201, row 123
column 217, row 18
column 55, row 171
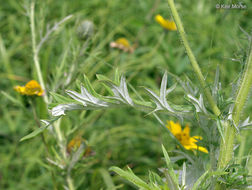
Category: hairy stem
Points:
column 226, row 148
column 35, row 51
column 245, row 86
column 192, row 58
column 242, row 95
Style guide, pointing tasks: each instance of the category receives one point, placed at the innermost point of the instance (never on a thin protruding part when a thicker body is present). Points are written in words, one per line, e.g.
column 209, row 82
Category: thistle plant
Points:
column 208, row 162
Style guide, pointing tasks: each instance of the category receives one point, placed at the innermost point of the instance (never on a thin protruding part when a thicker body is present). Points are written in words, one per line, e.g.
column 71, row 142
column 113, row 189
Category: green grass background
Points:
column 118, row 137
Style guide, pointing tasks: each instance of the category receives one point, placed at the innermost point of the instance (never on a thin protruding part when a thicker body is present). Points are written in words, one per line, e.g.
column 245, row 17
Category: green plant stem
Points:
column 70, row 183
column 43, row 139
column 226, row 148
column 192, row 59
column 35, row 51
column 245, row 86
column 242, row 95
column 60, row 138
column 243, row 138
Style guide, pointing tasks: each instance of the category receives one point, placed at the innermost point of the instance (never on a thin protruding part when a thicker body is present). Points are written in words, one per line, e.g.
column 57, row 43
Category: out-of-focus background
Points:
column 117, row 137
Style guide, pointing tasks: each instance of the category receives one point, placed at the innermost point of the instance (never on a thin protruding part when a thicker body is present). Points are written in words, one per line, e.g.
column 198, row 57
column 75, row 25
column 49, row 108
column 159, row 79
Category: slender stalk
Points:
column 192, row 59
column 43, row 140
column 35, row 51
column 226, row 148
column 245, row 86
column 242, row 95
column 70, row 183
column 243, row 138
column 60, row 138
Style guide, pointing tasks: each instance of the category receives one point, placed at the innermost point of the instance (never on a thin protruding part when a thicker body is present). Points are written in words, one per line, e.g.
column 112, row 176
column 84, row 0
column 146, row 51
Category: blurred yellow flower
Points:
column 74, row 144
column 123, row 44
column 184, row 137
column 31, row 88
column 166, row 24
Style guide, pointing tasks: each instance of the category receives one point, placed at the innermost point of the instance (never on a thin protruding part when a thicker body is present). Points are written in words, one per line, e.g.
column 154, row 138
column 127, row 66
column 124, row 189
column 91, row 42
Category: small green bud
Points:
column 85, row 29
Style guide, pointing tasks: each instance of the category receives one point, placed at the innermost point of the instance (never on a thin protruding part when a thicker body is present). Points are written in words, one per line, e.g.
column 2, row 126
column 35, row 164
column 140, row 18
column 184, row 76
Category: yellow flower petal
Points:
column 74, row 144
column 175, row 128
column 31, row 88
column 123, row 44
column 184, row 137
column 123, row 41
column 202, row 149
column 187, row 130
column 20, row 89
column 166, row 24
column 193, row 146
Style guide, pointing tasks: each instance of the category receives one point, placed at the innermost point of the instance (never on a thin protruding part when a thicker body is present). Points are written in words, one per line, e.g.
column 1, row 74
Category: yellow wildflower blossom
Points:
column 184, row 137
column 31, row 88
column 74, row 144
column 123, row 44
column 166, row 24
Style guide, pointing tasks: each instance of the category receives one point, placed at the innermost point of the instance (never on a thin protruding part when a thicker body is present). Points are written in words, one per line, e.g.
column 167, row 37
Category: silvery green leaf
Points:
column 199, row 181
column 90, row 88
column 190, row 88
column 87, row 99
column 61, row 108
column 220, row 124
column 230, row 117
column 56, row 163
column 183, row 180
column 120, row 92
column 198, row 103
column 124, row 88
column 169, row 90
column 170, row 175
column 160, row 100
column 230, row 112
column 156, row 99
column 76, row 156
column 216, row 86
column 245, row 124
column 163, row 88
column 49, row 124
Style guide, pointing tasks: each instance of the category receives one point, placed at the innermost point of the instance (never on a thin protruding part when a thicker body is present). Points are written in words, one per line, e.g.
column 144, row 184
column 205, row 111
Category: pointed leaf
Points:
column 173, row 182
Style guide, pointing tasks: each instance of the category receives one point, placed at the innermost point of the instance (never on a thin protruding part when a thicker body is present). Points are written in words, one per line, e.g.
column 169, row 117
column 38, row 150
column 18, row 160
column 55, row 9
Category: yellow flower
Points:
column 123, row 44
column 184, row 137
column 166, row 24
column 31, row 88
column 74, row 144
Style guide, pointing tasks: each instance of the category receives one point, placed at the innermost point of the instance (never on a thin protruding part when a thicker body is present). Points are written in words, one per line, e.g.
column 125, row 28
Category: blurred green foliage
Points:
column 118, row 137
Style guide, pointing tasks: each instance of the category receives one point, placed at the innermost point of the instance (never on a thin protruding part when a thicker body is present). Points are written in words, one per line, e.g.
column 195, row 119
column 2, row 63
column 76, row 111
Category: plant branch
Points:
column 226, row 148
column 192, row 59
column 50, row 31
column 35, row 54
column 245, row 86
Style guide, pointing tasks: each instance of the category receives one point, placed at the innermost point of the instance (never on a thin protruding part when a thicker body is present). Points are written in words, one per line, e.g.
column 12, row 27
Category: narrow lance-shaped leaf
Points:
column 60, row 109
column 130, row 176
column 39, row 130
column 173, row 182
column 199, row 181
